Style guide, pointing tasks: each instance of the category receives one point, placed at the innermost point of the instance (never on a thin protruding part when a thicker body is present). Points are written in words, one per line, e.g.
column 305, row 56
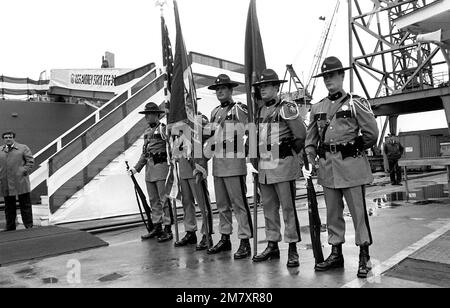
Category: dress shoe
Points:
column 223, row 245
column 271, row 252
column 189, row 238
column 156, row 232
column 292, row 256
column 204, row 242
column 166, row 235
column 244, row 250
column 363, row 267
column 334, row 260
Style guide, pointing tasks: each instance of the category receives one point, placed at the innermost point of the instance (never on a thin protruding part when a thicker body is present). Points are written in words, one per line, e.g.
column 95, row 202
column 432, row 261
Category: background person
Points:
column 16, row 162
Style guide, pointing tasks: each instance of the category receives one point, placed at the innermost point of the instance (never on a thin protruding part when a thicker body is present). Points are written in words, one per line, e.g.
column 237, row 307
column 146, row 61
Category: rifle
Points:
column 208, row 216
column 140, row 195
column 314, row 218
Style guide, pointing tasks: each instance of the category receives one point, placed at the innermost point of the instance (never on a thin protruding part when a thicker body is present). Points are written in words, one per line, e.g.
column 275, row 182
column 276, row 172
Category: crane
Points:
column 304, row 94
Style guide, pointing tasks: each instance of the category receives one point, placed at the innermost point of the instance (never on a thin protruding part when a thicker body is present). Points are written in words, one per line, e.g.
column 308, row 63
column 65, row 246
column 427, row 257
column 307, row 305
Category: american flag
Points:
column 167, row 60
column 172, row 183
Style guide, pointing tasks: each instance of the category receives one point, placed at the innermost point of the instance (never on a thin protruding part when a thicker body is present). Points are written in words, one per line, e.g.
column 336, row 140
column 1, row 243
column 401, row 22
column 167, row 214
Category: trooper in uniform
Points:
column 281, row 138
column 341, row 127
column 228, row 123
column 193, row 186
column 154, row 158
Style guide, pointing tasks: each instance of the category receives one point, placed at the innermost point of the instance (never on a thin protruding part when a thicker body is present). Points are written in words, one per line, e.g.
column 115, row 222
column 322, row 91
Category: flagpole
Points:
column 161, row 4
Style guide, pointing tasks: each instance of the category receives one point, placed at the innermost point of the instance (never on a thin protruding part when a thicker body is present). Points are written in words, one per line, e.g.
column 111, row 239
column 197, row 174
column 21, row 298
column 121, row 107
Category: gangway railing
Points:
column 58, row 170
column 39, row 174
column 61, row 141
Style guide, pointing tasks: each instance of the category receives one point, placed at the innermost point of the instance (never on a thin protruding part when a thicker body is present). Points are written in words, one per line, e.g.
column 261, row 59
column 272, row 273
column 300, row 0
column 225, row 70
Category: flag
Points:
column 183, row 103
column 255, row 63
column 167, row 60
column 172, row 183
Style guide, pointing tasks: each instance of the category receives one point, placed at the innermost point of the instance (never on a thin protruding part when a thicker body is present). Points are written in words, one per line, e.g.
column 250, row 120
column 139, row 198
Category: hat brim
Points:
column 151, row 111
column 276, row 81
column 331, row 71
column 228, row 84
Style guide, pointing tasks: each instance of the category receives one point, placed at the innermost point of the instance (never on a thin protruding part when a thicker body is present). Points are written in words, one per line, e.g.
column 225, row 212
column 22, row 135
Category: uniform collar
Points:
column 335, row 96
column 270, row 103
column 225, row 104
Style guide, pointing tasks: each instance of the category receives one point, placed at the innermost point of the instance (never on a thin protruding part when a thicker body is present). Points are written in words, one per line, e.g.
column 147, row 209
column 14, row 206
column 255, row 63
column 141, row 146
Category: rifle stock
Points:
column 314, row 218
column 140, row 195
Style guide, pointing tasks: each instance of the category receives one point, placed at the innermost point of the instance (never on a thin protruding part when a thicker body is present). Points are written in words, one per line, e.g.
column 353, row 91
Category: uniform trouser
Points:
column 395, row 171
column 191, row 192
column 231, row 195
column 161, row 211
column 356, row 202
column 25, row 211
column 272, row 196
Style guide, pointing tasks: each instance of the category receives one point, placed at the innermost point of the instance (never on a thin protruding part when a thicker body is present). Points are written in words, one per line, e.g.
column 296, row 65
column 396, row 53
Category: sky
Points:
column 54, row 34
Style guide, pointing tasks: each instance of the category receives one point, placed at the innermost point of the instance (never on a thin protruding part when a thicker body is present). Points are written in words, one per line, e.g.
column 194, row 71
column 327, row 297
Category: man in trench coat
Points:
column 16, row 162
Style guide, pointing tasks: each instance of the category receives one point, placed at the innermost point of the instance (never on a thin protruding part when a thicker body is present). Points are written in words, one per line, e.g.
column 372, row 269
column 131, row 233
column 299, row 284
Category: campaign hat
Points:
column 268, row 76
column 223, row 80
column 151, row 108
column 329, row 65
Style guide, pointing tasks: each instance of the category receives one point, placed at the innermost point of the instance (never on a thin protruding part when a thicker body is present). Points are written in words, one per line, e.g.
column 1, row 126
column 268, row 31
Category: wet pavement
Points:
column 398, row 227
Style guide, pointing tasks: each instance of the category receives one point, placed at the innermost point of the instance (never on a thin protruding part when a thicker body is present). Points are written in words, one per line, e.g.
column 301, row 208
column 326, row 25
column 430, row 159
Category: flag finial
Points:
column 161, row 4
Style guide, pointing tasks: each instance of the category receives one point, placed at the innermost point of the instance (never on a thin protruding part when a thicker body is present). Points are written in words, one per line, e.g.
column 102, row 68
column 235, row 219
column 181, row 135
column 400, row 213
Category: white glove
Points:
column 307, row 173
column 251, row 169
column 132, row 171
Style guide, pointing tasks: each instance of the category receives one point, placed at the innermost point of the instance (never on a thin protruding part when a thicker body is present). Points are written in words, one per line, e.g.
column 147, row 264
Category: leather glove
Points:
column 307, row 173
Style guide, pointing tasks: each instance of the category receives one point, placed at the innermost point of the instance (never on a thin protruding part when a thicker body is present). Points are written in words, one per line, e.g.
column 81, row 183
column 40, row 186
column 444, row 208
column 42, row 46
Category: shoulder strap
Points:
column 226, row 113
column 332, row 117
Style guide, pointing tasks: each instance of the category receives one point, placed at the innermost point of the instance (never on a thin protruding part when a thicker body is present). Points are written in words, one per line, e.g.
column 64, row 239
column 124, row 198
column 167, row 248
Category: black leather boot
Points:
column 334, row 260
column 204, row 242
column 223, row 245
column 156, row 232
column 292, row 256
column 166, row 235
column 363, row 268
column 271, row 252
column 244, row 250
column 189, row 238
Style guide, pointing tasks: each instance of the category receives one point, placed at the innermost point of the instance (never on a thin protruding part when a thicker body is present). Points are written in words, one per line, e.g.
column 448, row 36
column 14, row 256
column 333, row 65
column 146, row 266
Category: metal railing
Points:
column 41, row 158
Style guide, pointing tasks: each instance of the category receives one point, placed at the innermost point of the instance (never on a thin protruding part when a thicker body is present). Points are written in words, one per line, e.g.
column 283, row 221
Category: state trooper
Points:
column 154, row 158
column 193, row 172
column 342, row 126
column 281, row 137
column 228, row 124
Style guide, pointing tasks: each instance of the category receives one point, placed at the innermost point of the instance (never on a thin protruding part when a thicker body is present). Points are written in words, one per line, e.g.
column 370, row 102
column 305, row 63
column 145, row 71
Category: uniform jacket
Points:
column 393, row 150
column 155, row 140
column 229, row 164
column 277, row 122
column 353, row 118
column 15, row 167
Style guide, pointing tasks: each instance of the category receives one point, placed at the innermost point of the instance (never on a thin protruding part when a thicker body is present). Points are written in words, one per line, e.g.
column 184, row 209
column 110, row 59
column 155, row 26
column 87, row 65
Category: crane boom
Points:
column 311, row 84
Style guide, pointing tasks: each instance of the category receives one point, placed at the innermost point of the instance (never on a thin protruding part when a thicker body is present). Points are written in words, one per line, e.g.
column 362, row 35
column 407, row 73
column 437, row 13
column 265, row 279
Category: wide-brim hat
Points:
column 329, row 65
column 151, row 108
column 223, row 80
column 268, row 76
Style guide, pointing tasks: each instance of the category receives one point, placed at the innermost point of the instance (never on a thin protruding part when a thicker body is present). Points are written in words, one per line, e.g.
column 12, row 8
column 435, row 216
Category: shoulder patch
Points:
column 242, row 107
column 289, row 111
column 362, row 103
